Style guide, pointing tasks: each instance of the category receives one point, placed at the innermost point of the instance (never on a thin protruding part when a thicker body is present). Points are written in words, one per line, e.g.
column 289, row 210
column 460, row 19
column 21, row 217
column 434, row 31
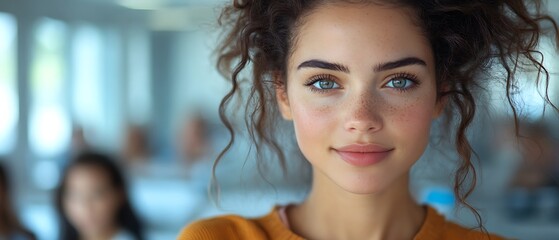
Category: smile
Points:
column 363, row 155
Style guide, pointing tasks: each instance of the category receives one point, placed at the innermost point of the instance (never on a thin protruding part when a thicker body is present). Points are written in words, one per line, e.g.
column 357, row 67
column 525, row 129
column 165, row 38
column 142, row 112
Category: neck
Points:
column 330, row 212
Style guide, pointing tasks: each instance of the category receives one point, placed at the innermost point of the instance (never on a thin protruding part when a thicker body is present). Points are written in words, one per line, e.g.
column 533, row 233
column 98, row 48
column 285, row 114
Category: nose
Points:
column 364, row 114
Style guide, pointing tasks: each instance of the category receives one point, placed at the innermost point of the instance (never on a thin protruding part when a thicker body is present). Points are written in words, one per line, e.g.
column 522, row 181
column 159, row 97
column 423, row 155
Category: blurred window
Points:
column 97, row 84
column 8, row 93
column 49, row 123
column 139, row 89
column 528, row 96
column 87, row 97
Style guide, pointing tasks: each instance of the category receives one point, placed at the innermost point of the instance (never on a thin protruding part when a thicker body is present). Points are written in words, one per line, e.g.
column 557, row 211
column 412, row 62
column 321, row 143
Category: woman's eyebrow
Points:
column 323, row 65
column 315, row 63
column 399, row 63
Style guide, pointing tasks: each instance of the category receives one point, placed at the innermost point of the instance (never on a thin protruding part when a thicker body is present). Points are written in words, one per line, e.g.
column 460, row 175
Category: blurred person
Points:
column 78, row 141
column 194, row 139
column 361, row 83
column 195, row 149
column 534, row 187
column 136, row 145
column 93, row 203
column 503, row 159
column 10, row 226
column 540, row 158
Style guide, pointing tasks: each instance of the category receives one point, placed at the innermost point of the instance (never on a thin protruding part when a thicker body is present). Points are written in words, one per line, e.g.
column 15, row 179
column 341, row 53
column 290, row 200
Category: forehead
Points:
column 86, row 175
column 360, row 33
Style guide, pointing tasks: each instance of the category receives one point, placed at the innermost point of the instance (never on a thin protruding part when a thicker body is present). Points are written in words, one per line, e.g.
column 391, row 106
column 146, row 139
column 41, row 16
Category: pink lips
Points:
column 363, row 155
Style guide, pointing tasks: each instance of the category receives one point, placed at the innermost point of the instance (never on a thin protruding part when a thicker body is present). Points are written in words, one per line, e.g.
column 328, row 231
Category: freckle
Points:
column 405, row 111
column 322, row 109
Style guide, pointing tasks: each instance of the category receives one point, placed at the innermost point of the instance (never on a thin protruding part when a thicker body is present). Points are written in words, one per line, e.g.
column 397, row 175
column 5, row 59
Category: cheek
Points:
column 99, row 209
column 74, row 209
column 78, row 212
column 314, row 123
column 105, row 207
column 410, row 124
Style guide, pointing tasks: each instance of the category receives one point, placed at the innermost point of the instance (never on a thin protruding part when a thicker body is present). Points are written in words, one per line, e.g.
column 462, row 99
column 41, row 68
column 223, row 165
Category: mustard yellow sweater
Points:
column 271, row 227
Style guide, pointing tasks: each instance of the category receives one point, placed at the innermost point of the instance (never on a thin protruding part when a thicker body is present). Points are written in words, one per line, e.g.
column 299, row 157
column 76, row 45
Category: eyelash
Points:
column 309, row 83
column 403, row 75
column 408, row 76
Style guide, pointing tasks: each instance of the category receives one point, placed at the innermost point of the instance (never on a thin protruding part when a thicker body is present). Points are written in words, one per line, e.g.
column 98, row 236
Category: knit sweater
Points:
column 435, row 227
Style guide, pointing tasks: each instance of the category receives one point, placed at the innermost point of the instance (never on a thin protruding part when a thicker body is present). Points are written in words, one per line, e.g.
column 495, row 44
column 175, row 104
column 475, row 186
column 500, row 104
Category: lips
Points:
column 362, row 155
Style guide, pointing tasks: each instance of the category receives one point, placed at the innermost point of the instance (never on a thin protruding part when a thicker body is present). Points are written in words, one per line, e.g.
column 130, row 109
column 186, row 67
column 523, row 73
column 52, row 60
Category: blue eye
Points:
column 400, row 83
column 325, row 84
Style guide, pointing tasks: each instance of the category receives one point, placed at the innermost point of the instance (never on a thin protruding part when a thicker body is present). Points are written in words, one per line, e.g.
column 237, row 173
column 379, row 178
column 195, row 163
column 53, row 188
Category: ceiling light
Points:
column 141, row 4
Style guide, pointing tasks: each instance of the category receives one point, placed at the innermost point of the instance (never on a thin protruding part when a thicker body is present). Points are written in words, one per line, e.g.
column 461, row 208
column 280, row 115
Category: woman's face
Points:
column 90, row 201
column 361, row 93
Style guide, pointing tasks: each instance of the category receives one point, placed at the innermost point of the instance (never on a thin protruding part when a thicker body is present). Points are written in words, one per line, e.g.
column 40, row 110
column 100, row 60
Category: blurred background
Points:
column 136, row 79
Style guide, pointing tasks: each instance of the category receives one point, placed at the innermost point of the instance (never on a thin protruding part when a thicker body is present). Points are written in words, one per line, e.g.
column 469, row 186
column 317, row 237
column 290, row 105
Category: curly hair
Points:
column 470, row 40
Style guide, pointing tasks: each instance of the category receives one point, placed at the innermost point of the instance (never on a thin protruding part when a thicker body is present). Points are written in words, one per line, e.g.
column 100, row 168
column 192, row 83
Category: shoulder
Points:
column 455, row 231
column 437, row 227
column 225, row 227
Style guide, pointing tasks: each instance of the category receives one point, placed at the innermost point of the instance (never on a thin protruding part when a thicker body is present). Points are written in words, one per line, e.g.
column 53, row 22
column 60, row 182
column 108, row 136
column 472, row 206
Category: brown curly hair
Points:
column 470, row 39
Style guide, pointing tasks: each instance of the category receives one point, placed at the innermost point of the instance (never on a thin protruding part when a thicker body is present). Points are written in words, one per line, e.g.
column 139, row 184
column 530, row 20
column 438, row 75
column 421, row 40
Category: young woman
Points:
column 362, row 82
column 10, row 226
column 93, row 203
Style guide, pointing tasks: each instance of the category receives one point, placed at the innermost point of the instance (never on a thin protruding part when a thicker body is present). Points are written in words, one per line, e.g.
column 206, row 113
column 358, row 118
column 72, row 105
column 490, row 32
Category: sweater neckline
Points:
column 277, row 223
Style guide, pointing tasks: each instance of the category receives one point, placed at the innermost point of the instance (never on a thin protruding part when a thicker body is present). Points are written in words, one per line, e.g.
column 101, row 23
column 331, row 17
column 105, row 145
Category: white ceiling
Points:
column 552, row 5
column 181, row 14
column 172, row 15
column 161, row 3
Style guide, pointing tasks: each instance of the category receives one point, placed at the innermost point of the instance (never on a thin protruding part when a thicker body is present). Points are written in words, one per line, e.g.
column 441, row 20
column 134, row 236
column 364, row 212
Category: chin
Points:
column 361, row 186
column 91, row 228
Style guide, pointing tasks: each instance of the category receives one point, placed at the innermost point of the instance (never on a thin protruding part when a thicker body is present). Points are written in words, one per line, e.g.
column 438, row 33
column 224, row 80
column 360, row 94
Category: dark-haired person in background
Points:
column 93, row 203
column 10, row 226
